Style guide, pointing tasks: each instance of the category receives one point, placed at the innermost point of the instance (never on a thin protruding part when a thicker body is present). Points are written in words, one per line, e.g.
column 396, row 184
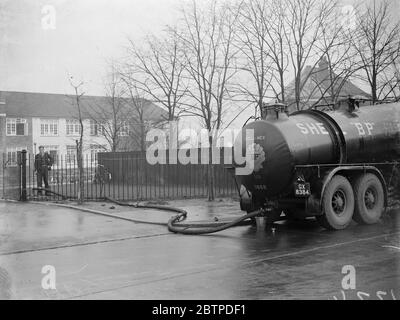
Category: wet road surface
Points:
column 99, row 257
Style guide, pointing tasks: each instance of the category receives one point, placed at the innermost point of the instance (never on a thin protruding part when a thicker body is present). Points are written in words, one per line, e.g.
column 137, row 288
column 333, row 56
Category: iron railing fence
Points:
column 123, row 176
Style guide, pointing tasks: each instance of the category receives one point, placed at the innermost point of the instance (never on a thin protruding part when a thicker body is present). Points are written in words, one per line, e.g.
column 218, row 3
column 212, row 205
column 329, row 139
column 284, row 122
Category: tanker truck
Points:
column 335, row 165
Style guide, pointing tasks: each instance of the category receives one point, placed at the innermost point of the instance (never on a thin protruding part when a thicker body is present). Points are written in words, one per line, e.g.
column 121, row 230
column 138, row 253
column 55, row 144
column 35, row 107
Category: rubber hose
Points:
column 175, row 224
column 194, row 230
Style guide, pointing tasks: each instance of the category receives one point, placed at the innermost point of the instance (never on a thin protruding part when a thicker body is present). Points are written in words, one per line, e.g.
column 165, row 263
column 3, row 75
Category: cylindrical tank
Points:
column 365, row 135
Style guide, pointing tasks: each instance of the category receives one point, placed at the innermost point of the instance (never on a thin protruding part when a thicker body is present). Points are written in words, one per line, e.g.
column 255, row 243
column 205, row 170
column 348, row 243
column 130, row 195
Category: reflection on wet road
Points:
column 97, row 257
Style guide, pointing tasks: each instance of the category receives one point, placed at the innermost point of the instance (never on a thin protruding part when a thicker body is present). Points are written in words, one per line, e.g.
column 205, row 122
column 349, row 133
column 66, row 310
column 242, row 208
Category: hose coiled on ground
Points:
column 175, row 224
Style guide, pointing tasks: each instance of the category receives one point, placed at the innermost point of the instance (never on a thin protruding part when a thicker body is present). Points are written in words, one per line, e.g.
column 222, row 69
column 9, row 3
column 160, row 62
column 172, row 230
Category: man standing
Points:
column 43, row 163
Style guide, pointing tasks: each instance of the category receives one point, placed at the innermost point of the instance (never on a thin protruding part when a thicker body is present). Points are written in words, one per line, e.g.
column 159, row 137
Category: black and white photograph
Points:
column 199, row 154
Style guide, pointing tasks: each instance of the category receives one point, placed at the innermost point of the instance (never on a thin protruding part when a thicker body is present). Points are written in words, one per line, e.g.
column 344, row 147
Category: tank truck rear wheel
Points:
column 370, row 202
column 337, row 204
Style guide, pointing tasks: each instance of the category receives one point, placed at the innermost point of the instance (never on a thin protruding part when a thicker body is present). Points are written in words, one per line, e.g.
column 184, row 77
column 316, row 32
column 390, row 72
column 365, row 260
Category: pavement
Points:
column 49, row 252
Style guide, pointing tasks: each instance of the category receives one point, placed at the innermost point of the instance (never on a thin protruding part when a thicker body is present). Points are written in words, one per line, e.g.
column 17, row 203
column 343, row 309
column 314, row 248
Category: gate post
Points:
column 23, row 176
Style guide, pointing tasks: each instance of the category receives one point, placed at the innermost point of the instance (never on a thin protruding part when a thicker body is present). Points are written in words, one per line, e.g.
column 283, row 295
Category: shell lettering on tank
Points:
column 312, row 128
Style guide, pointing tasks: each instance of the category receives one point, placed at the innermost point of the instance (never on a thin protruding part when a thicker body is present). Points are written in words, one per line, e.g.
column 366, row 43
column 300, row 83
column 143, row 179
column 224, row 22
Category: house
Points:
column 320, row 87
column 29, row 120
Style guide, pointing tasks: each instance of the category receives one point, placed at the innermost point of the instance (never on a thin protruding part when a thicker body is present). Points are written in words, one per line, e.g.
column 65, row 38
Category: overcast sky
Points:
column 86, row 34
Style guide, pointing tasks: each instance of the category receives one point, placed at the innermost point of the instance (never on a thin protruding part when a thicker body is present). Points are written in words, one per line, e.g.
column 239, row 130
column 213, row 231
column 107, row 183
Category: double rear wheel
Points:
column 342, row 202
column 370, row 199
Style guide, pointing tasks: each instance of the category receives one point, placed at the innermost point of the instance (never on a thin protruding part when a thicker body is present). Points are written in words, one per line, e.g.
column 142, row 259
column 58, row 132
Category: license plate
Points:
column 302, row 189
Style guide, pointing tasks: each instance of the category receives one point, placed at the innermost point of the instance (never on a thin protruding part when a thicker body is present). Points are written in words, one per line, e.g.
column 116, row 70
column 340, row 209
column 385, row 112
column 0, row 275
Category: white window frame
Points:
column 95, row 128
column 11, row 123
column 68, row 158
column 49, row 128
column 72, row 127
column 12, row 154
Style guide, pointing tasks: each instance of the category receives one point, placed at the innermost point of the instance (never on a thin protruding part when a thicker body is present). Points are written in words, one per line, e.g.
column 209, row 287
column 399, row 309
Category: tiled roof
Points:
column 318, row 83
column 32, row 104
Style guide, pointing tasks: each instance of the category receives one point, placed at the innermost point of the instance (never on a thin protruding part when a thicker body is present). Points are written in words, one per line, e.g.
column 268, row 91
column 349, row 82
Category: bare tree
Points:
column 337, row 65
column 391, row 79
column 303, row 26
column 255, row 56
column 140, row 116
column 304, row 38
column 378, row 46
column 277, row 47
column 157, row 67
column 109, row 117
column 137, row 124
column 282, row 37
column 77, row 101
column 207, row 37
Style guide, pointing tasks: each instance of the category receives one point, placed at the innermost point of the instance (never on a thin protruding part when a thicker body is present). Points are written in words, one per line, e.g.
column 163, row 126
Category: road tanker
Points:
column 336, row 165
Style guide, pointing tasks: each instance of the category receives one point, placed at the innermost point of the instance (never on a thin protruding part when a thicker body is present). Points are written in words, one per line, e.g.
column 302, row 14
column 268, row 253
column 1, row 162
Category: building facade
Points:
column 30, row 120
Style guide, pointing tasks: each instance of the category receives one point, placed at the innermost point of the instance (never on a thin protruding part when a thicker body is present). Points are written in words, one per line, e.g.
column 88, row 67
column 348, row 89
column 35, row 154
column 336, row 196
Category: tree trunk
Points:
column 81, row 186
column 210, row 171
column 282, row 84
column 297, row 91
column 142, row 138
column 374, row 88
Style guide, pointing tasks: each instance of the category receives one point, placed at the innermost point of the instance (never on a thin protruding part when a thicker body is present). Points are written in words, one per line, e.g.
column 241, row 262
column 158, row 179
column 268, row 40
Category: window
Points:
column 16, row 127
column 73, row 128
column 48, row 127
column 12, row 155
column 71, row 154
column 97, row 128
column 94, row 128
column 124, row 129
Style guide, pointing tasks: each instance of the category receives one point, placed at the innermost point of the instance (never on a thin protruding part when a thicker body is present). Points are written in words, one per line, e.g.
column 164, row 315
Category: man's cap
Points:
column 41, row 147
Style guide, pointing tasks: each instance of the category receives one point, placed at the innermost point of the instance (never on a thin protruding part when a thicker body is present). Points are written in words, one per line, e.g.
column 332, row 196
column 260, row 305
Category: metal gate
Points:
column 10, row 178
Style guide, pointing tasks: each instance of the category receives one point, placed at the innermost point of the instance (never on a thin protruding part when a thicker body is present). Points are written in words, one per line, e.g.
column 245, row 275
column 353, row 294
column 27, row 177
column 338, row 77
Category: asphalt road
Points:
column 99, row 257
